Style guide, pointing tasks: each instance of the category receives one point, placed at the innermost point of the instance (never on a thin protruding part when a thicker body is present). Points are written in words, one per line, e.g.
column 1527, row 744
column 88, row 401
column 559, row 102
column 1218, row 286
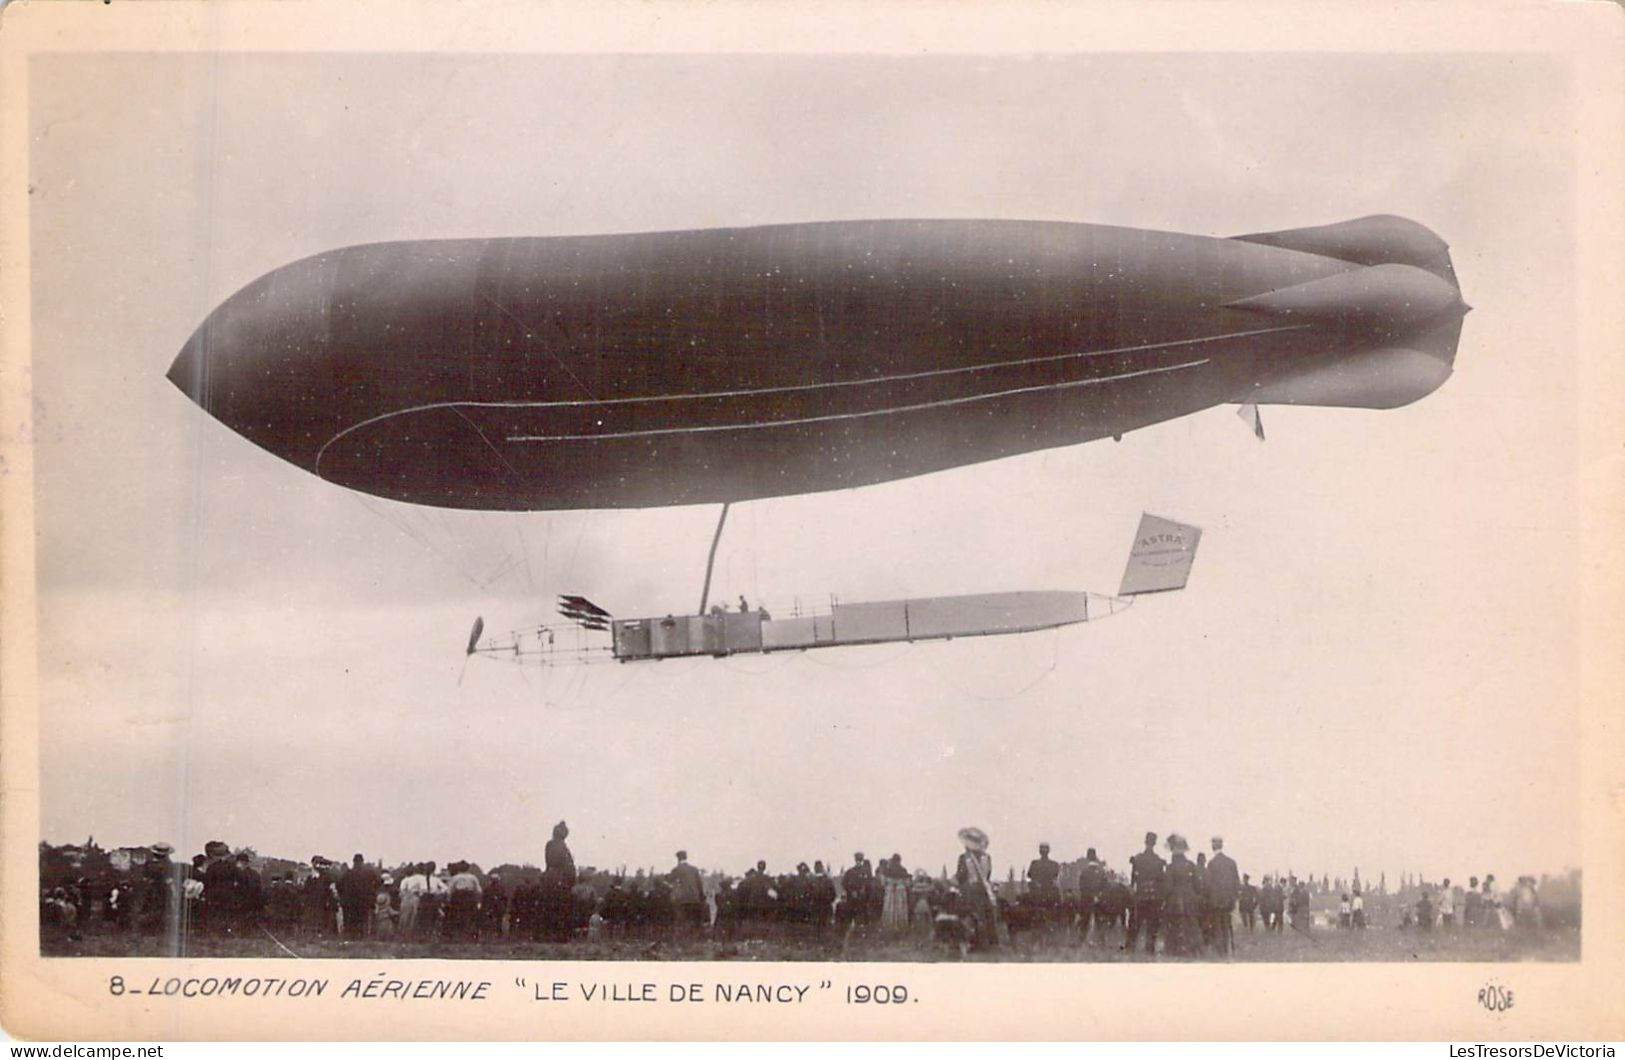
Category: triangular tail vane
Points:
column 1249, row 415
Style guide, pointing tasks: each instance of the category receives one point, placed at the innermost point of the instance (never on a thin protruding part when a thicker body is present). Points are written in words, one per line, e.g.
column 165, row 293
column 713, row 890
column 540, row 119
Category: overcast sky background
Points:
column 1373, row 665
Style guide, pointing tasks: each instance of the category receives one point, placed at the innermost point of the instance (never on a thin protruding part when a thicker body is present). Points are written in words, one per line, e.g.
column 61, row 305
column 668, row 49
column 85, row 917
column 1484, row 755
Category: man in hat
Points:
column 1247, row 902
column 1223, row 887
column 821, row 898
column 219, row 889
column 1473, row 904
column 1181, row 903
column 162, row 890
column 1298, row 905
column 856, row 883
column 249, row 895
column 687, row 894
column 1043, row 875
column 358, row 892
column 1146, row 879
column 463, row 896
column 975, row 878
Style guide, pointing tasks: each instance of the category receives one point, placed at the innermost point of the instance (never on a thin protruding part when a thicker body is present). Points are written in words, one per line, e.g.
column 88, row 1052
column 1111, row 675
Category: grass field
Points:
column 1377, row 944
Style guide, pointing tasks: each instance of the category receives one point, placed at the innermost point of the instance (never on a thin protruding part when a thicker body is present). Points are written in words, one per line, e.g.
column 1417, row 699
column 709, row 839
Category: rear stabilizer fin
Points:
column 1161, row 558
column 1375, row 240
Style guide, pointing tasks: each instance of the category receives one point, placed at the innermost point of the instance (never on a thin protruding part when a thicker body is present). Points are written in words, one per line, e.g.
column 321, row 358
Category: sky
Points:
column 1373, row 664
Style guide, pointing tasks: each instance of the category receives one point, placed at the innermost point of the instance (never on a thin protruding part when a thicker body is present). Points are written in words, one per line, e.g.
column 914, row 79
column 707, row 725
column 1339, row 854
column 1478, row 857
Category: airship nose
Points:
column 327, row 342
column 186, row 372
column 260, row 362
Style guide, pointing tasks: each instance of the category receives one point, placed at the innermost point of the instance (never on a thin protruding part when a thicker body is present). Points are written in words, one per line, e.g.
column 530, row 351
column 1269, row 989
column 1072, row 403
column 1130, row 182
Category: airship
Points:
column 731, row 364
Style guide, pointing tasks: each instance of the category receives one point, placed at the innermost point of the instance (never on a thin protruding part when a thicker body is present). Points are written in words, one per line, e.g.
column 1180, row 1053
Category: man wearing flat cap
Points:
column 1146, row 882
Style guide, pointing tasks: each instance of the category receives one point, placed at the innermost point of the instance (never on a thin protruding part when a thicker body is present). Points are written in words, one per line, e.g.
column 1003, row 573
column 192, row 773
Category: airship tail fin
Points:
column 1381, row 239
column 1161, row 558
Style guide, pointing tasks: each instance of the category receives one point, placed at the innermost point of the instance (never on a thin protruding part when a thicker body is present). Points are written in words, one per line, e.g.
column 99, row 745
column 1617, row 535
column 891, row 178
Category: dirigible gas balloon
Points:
column 642, row 370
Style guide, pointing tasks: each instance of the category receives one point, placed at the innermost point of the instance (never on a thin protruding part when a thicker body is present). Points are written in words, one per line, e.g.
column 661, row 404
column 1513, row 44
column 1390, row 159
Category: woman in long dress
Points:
column 1181, row 902
column 975, row 879
column 894, row 906
column 558, row 879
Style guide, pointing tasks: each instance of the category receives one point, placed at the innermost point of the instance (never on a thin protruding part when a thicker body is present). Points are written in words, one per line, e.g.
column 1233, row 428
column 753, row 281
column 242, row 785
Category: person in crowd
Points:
column 1425, row 910
column 1146, row 882
column 1277, row 918
column 1247, row 902
column 59, row 916
column 1526, row 913
column 920, row 888
column 558, row 880
column 313, row 894
column 494, row 903
column 975, row 878
column 422, row 894
column 463, row 894
column 1091, row 889
column 358, row 889
column 282, row 905
column 894, row 908
column 1043, row 885
column 823, row 899
column 1181, row 900
column 1472, row 911
column 1298, row 906
column 1223, row 889
column 688, row 895
column 248, row 905
column 1495, row 917
column 795, row 894
column 1111, row 908
column 219, row 908
column 1357, row 910
column 1204, row 908
column 192, row 894
column 1447, row 906
column 162, row 887
column 383, row 916
column 725, row 924
column 524, row 907
column 855, row 886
